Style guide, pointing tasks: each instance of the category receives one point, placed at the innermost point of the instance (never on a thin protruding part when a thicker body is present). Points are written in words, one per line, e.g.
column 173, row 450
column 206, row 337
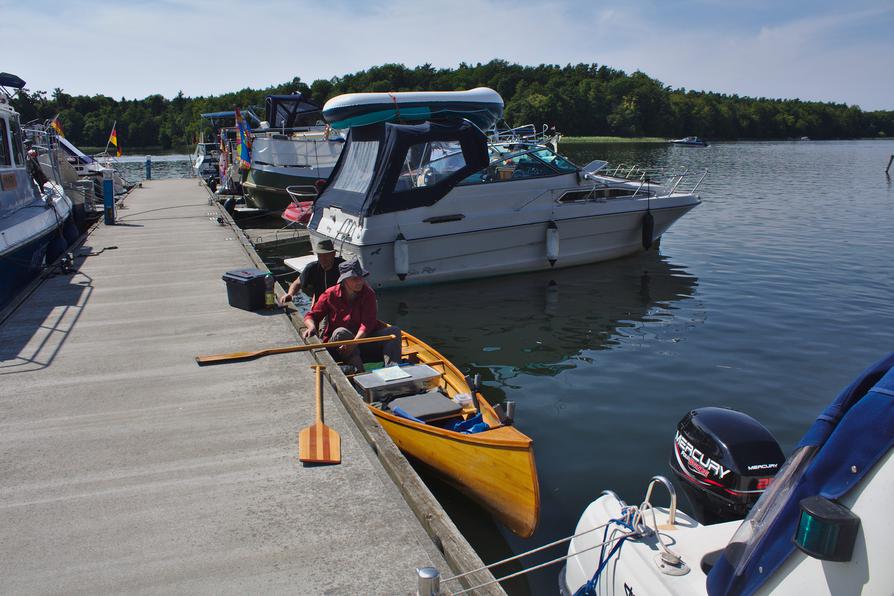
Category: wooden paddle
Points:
column 240, row 356
column 319, row 444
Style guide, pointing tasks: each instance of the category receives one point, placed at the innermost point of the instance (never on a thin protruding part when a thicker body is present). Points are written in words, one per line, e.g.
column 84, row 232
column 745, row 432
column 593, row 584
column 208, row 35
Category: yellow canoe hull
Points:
column 495, row 467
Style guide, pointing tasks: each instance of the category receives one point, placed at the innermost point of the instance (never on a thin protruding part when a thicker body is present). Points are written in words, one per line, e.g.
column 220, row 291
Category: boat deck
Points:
column 128, row 468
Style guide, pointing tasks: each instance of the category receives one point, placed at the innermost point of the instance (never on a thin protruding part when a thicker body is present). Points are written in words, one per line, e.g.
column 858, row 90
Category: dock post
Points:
column 889, row 164
column 108, row 196
column 428, row 581
column 148, row 167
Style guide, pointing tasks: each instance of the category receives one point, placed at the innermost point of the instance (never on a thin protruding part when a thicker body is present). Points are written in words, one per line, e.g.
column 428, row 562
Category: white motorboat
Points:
column 436, row 202
column 291, row 148
column 205, row 162
column 819, row 526
column 86, row 166
column 690, row 142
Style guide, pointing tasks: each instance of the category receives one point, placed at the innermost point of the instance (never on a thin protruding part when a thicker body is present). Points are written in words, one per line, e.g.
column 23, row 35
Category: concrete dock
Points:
column 128, row 468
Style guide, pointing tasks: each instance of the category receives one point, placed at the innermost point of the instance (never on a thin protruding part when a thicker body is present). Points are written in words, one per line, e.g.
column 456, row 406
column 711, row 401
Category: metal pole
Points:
column 428, row 581
column 889, row 164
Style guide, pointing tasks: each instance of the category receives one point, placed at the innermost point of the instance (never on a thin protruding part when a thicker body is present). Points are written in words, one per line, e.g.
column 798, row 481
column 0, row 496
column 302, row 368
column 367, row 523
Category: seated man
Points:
column 351, row 311
column 317, row 276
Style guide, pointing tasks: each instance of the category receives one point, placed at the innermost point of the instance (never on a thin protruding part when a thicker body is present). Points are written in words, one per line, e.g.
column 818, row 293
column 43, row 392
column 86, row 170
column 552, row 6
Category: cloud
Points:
column 209, row 47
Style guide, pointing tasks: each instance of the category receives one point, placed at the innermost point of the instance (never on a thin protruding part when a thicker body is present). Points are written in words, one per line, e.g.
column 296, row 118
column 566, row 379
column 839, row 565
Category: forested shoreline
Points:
column 578, row 100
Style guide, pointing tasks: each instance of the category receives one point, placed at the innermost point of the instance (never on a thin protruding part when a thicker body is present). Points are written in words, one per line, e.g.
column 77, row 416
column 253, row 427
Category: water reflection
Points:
column 540, row 323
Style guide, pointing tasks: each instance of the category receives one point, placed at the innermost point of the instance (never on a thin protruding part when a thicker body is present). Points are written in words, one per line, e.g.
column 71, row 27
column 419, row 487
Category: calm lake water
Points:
column 133, row 167
column 768, row 298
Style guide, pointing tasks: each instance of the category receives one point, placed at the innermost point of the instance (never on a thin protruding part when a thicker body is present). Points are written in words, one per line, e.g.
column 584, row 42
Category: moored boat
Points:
column 818, row 526
column 494, row 466
column 36, row 224
column 437, row 202
column 290, row 149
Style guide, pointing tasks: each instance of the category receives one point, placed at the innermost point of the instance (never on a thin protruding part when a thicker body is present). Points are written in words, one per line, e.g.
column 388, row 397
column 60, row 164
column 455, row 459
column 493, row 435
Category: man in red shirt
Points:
column 351, row 310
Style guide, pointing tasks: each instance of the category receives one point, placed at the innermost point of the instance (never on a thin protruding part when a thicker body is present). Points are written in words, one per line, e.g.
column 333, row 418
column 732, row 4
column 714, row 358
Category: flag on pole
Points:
column 244, row 141
column 56, row 125
column 113, row 140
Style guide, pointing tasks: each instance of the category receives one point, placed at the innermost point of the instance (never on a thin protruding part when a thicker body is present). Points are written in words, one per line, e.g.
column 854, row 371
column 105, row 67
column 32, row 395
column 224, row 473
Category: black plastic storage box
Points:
column 246, row 288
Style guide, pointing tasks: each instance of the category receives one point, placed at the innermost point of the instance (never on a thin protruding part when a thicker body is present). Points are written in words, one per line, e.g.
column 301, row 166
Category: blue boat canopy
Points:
column 838, row 451
column 231, row 115
column 392, row 167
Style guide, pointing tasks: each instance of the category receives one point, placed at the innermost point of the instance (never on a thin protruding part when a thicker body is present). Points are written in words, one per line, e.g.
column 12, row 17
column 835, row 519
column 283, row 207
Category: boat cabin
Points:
column 394, row 167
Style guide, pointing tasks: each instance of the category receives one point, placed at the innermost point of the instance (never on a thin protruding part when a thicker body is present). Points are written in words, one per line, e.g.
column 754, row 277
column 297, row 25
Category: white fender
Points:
column 552, row 243
column 401, row 256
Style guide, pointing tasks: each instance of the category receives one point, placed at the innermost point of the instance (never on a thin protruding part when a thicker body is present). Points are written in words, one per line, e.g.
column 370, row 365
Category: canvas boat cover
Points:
column 392, row 167
column 857, row 429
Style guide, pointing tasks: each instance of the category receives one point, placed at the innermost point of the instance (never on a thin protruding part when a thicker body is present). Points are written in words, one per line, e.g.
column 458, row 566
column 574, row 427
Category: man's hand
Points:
column 309, row 329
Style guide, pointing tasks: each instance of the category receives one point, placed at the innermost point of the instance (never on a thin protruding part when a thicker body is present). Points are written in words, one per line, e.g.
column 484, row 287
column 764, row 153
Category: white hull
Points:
column 509, row 237
column 635, row 569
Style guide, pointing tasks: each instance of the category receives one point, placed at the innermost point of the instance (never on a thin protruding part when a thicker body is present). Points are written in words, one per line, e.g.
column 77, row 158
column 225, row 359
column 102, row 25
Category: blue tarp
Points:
column 850, row 437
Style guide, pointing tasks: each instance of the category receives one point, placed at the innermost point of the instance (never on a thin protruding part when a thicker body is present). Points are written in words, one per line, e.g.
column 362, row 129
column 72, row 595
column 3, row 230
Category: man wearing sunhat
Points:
column 317, row 276
column 351, row 313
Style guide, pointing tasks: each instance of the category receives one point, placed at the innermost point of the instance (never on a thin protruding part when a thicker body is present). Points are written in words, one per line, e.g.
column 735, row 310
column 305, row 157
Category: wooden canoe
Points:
column 494, row 467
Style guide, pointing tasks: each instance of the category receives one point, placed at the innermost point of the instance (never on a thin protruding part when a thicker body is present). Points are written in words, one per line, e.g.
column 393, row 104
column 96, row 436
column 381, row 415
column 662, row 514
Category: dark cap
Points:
column 323, row 246
column 351, row 268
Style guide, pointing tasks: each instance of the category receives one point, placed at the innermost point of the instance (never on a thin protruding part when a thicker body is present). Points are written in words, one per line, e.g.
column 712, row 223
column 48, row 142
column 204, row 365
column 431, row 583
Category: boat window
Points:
column 555, row 160
column 428, row 163
column 598, row 194
column 4, row 145
column 17, row 141
column 357, row 171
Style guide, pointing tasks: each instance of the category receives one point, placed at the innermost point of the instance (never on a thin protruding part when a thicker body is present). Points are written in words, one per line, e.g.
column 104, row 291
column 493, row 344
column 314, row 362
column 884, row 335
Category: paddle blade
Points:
column 319, row 444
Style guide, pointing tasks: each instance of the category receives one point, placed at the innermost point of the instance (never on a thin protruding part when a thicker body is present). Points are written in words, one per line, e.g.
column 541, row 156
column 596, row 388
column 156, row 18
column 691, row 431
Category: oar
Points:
column 239, row 356
column 319, row 444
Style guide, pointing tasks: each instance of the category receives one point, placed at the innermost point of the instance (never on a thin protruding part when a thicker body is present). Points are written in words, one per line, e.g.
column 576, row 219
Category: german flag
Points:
column 113, row 140
column 56, row 125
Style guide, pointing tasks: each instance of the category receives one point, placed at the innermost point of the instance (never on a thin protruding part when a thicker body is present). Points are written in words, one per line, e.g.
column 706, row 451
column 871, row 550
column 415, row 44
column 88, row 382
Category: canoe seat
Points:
column 427, row 406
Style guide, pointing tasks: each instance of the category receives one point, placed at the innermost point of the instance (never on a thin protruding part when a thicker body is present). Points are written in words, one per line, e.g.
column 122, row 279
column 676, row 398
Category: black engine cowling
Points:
column 725, row 460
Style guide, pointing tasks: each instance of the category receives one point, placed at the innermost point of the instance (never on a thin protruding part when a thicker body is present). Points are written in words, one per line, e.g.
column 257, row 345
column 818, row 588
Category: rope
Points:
column 525, row 554
column 396, row 106
column 542, row 565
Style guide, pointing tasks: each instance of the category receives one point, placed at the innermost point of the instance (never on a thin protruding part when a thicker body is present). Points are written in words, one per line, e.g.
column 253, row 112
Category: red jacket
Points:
column 355, row 316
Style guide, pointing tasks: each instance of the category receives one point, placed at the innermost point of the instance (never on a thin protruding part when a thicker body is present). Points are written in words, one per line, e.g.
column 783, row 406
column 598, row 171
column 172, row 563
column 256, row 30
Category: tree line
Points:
column 578, row 100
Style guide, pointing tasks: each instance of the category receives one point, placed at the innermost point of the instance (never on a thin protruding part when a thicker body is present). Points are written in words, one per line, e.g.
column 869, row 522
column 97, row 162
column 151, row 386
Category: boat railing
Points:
column 45, row 142
column 668, row 179
column 527, row 134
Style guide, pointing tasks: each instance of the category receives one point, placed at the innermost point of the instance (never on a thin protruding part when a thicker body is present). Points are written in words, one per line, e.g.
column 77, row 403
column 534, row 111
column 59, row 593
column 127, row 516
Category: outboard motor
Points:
column 725, row 460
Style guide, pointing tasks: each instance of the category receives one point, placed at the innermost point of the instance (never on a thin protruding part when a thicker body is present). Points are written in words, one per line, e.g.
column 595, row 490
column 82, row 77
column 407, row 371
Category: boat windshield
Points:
column 428, row 163
column 4, row 146
column 536, row 163
column 17, row 141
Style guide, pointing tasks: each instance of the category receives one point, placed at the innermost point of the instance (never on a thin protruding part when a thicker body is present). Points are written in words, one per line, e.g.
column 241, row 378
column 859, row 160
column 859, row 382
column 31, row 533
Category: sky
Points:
column 815, row 51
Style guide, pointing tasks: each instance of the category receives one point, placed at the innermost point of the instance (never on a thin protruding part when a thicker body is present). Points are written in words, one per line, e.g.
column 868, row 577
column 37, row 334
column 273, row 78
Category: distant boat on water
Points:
column 690, row 142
